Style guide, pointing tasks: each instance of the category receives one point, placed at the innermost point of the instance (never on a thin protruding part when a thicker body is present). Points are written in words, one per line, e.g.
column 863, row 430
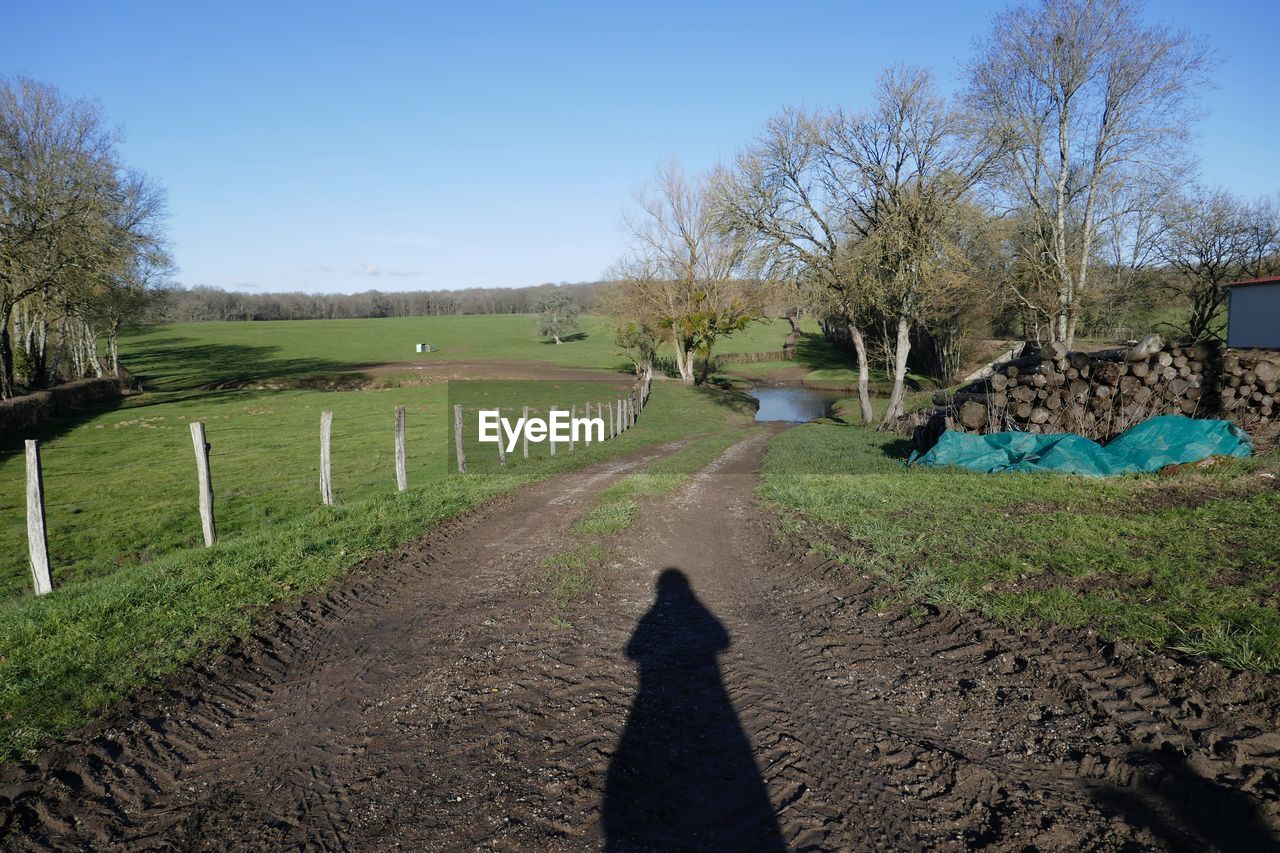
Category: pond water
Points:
column 789, row 403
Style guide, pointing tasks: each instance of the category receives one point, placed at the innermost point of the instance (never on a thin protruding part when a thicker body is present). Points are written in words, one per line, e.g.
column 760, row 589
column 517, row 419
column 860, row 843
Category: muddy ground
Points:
column 426, row 372
column 721, row 690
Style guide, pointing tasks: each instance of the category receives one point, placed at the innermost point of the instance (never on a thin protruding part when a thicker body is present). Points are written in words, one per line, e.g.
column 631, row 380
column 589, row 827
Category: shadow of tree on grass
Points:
column 565, row 339
column 180, row 364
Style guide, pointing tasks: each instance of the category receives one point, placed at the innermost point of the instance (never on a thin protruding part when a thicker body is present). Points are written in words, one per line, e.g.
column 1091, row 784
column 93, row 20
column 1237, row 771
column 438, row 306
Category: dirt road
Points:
column 722, row 691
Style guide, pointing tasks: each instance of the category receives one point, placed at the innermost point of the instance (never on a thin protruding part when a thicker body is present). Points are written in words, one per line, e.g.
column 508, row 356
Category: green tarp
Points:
column 1148, row 446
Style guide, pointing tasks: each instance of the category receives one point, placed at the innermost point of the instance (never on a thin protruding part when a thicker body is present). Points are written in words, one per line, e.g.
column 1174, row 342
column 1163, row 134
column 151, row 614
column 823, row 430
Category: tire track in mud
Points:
column 876, row 731
column 296, row 730
column 430, row 703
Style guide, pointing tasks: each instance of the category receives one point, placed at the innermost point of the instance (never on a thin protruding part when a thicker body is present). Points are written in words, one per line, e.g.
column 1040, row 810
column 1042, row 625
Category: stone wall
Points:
column 31, row 410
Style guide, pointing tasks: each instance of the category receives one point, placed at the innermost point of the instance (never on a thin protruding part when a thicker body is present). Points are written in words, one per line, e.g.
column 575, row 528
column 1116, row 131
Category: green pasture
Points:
column 1185, row 560
column 220, row 355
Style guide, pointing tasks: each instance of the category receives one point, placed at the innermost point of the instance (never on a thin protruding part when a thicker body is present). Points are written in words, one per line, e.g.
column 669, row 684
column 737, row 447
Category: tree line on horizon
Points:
column 203, row 303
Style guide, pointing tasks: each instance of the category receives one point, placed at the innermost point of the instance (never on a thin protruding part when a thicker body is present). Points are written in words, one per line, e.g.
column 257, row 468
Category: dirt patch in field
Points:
column 721, row 690
column 425, row 372
column 440, row 371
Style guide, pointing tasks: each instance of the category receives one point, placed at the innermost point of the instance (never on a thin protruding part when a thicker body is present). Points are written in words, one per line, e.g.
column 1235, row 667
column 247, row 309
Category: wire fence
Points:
column 78, row 506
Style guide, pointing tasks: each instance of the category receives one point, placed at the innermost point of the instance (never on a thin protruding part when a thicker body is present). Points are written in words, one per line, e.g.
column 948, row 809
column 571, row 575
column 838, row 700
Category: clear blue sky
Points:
column 326, row 147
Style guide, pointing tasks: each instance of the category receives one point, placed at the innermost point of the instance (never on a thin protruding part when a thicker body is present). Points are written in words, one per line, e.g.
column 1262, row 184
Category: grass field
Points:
column 210, row 355
column 136, row 594
column 1185, row 561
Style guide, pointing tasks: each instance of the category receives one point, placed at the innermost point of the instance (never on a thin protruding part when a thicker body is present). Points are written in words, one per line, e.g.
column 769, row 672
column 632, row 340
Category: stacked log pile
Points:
column 1101, row 394
column 1248, row 390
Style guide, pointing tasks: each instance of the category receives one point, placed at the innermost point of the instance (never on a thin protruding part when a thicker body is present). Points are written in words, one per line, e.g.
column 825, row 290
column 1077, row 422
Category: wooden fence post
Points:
column 457, row 439
column 621, row 428
column 525, row 434
column 600, row 407
column 326, row 473
column 37, row 535
column 206, row 483
column 502, row 448
column 402, row 467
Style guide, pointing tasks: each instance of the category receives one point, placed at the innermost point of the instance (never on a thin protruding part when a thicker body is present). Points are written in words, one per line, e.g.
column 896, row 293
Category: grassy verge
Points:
column 575, row 572
column 1185, row 561
column 67, row 655
column 849, row 410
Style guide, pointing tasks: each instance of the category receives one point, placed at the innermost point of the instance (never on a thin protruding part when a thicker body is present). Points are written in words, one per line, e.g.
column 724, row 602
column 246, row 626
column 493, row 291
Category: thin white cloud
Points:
column 372, row 270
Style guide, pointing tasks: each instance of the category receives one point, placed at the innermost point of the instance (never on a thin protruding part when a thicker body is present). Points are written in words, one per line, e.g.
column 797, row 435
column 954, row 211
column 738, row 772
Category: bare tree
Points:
column 1130, row 229
column 1262, row 238
column 681, row 278
column 906, row 166
column 56, row 170
column 81, row 242
column 1086, row 96
column 781, row 196
column 1213, row 238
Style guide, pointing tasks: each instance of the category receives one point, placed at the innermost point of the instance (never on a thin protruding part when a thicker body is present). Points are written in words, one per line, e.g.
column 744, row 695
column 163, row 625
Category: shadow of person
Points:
column 683, row 775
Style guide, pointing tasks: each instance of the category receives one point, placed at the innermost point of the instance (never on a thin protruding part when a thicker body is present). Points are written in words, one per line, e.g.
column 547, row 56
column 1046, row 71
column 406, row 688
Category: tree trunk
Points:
column 6, row 357
column 684, row 359
column 706, row 362
column 864, row 373
column 1060, row 318
column 91, row 351
column 557, row 337
column 901, row 350
column 113, row 346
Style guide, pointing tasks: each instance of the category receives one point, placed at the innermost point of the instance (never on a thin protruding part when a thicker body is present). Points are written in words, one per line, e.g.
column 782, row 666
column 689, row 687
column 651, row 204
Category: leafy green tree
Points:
column 637, row 342
column 557, row 316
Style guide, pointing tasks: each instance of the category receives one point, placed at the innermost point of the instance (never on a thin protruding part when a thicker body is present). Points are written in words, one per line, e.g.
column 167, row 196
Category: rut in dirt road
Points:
column 722, row 690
